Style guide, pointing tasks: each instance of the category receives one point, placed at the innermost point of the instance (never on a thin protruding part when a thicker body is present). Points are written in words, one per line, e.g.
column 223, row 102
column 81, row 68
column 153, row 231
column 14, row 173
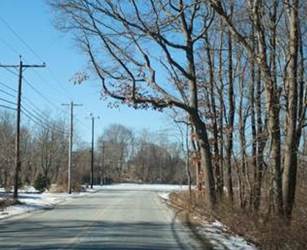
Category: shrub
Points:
column 41, row 183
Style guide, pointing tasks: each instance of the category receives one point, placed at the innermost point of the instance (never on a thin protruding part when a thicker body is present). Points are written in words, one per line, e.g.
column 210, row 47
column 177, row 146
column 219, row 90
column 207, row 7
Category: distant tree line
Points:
column 143, row 158
column 120, row 156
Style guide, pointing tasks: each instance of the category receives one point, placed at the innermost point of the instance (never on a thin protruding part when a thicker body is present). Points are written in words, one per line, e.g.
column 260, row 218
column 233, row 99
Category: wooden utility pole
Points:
column 72, row 105
column 92, row 150
column 103, row 165
column 21, row 66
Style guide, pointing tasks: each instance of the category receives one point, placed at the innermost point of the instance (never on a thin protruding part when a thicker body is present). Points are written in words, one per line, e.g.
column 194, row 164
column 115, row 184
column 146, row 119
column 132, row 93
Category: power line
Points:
column 81, row 123
column 8, row 87
column 7, row 107
column 41, row 119
column 9, row 46
column 39, row 93
column 7, row 93
column 35, row 108
column 34, row 53
column 50, row 103
column 7, row 101
column 38, row 120
column 20, row 39
column 58, row 85
column 11, row 71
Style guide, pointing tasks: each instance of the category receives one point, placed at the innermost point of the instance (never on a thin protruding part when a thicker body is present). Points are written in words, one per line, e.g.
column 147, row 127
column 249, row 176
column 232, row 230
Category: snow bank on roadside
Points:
column 32, row 200
column 217, row 234
column 164, row 196
column 221, row 239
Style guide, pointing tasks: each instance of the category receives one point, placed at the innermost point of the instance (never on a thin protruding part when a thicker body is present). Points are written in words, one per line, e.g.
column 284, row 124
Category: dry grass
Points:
column 267, row 232
column 6, row 202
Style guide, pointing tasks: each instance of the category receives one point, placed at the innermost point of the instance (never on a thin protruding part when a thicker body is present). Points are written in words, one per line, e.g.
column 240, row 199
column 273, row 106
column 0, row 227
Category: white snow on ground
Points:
column 221, row 239
column 32, row 200
column 218, row 235
column 164, row 196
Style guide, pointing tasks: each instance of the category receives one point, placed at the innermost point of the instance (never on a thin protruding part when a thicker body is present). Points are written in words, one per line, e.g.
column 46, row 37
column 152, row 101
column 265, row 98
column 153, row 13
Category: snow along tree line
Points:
column 235, row 69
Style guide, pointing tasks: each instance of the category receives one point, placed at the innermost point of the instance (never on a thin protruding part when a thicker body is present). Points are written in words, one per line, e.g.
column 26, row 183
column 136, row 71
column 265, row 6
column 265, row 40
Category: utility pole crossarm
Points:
column 23, row 65
column 8, row 66
column 34, row 65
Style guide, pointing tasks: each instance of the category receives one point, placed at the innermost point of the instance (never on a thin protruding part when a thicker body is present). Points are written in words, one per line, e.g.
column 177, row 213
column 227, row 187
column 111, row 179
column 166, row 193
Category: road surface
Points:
column 108, row 219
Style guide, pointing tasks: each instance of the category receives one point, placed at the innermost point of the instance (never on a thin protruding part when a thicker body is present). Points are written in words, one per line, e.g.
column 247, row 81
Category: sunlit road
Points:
column 109, row 219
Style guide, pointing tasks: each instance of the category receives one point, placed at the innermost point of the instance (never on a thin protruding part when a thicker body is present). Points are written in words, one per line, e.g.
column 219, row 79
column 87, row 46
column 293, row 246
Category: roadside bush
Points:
column 41, row 183
column 266, row 231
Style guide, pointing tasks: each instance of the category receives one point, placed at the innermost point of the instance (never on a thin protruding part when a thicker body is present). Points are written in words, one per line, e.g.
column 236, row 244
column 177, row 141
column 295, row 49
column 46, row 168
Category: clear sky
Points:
column 31, row 20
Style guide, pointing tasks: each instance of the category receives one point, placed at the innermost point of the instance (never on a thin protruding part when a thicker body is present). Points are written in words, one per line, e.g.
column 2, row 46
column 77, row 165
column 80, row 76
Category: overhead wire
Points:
column 34, row 113
column 8, row 87
column 9, row 46
column 7, row 101
column 59, row 88
column 7, row 93
column 11, row 71
column 39, row 93
column 20, row 39
column 32, row 51
column 38, row 120
column 34, row 107
column 40, row 59
column 27, row 100
column 7, row 107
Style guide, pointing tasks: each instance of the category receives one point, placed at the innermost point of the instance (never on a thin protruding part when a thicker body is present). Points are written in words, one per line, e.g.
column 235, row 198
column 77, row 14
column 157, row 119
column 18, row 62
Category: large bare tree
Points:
column 144, row 54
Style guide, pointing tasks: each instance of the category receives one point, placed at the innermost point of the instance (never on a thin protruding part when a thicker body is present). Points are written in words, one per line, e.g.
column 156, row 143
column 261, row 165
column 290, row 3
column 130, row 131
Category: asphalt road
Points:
column 110, row 219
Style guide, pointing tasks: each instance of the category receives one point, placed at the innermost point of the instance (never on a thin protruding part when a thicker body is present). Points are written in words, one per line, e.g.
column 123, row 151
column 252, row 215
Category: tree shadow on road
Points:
column 80, row 234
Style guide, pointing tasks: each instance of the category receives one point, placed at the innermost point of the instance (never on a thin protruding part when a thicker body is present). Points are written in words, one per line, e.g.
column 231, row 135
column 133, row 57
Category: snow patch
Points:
column 32, row 200
column 221, row 239
column 164, row 196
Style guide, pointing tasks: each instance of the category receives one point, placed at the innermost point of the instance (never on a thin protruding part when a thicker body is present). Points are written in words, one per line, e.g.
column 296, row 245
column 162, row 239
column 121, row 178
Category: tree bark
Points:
column 219, row 183
column 290, row 161
column 231, row 114
column 206, row 158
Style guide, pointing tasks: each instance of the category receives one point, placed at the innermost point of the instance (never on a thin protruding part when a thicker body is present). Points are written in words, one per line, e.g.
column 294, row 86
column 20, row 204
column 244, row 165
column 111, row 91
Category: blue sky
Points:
column 32, row 21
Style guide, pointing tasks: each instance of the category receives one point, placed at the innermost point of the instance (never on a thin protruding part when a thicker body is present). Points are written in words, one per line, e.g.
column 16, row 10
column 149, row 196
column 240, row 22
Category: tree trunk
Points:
column 206, row 158
column 290, row 161
column 188, row 170
column 261, row 141
column 231, row 115
column 219, row 183
column 221, row 114
column 273, row 109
